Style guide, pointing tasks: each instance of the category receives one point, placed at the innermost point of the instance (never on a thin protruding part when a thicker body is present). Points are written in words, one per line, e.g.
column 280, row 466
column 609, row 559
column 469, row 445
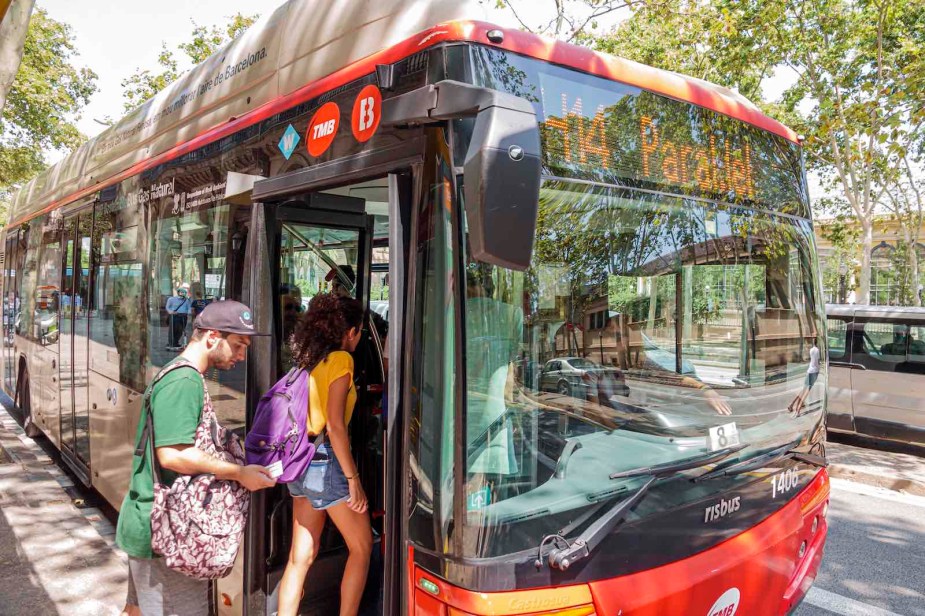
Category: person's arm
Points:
column 188, row 460
column 337, row 433
column 176, row 409
column 716, row 401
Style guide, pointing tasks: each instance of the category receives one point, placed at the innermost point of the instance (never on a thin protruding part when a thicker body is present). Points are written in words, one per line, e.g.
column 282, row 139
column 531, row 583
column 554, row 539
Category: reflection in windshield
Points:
column 644, row 321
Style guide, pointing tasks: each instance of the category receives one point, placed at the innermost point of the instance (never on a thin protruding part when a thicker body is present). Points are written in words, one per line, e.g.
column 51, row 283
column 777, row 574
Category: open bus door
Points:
column 319, row 237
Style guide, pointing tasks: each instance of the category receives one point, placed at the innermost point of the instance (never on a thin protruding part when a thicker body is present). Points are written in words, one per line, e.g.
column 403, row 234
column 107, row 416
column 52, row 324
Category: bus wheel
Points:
column 25, row 404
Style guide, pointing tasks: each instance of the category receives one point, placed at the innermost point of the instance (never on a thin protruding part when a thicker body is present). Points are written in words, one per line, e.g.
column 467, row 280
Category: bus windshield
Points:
column 644, row 321
column 670, row 309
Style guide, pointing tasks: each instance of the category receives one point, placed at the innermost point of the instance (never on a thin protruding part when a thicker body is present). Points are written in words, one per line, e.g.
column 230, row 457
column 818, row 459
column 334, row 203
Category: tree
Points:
column 840, row 267
column 905, row 200
column 47, row 94
column 13, row 30
column 858, row 69
column 204, row 42
column 859, row 65
column 571, row 21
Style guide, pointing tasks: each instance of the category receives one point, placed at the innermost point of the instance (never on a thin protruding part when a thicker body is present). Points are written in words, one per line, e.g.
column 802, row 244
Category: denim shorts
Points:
column 811, row 379
column 324, row 483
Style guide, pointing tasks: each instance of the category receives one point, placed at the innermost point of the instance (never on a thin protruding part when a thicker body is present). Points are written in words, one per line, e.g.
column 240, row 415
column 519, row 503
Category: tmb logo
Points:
column 322, row 129
column 727, row 604
column 721, row 509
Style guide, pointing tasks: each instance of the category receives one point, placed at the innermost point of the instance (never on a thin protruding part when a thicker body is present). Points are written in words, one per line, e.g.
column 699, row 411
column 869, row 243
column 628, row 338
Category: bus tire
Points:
column 25, row 404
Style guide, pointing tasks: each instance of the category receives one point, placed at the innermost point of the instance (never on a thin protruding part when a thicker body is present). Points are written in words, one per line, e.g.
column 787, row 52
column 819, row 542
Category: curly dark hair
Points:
column 321, row 330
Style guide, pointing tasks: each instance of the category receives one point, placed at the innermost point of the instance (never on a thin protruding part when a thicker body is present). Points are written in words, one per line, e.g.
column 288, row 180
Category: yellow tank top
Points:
column 334, row 367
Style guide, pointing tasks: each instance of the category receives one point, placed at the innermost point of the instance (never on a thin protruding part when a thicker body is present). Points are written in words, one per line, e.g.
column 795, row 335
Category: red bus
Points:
column 592, row 384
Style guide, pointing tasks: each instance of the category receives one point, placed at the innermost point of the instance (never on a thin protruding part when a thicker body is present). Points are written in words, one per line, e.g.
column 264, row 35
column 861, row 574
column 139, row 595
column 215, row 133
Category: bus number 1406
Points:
column 784, row 482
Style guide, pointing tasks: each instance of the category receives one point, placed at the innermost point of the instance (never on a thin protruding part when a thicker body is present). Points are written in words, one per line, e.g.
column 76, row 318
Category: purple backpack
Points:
column 279, row 432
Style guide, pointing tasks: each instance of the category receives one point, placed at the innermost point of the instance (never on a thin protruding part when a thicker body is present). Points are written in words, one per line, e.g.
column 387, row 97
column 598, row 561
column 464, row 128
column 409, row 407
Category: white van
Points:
column 877, row 371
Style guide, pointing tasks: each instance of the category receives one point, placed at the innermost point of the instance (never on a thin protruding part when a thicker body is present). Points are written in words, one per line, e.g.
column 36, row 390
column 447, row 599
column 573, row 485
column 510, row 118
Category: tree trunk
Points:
column 867, row 244
column 914, row 274
column 12, row 38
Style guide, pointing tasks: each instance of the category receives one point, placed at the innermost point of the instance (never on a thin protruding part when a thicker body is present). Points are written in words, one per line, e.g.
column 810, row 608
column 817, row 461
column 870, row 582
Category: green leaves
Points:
column 857, row 68
column 204, row 42
column 45, row 97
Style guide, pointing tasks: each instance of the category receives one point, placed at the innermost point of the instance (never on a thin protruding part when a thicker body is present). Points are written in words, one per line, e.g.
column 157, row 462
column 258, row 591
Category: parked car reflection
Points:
column 582, row 378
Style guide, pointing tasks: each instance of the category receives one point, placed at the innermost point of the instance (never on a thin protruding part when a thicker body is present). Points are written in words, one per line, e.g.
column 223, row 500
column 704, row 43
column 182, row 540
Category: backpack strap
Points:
column 147, row 434
column 293, row 375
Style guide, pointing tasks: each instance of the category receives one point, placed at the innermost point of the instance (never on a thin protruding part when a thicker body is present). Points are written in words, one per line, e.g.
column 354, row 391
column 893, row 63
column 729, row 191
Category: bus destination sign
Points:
column 623, row 134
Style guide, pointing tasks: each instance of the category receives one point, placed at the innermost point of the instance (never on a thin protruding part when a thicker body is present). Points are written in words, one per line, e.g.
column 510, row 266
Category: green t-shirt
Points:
column 176, row 408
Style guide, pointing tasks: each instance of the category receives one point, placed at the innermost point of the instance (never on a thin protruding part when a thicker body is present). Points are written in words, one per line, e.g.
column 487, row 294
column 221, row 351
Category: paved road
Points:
column 874, row 563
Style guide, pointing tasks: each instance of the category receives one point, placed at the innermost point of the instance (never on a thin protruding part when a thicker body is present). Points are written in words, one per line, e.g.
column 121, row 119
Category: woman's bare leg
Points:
column 358, row 535
column 306, row 533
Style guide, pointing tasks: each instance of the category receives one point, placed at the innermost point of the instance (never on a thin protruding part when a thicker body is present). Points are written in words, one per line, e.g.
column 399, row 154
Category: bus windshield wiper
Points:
column 680, row 465
column 567, row 552
column 783, row 452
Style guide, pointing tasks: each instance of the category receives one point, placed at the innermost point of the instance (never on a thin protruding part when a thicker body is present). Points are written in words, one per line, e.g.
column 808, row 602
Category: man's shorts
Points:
column 324, row 483
column 159, row 591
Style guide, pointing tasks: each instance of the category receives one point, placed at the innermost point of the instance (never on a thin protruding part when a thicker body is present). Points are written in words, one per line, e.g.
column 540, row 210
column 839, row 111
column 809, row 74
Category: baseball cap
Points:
column 227, row 316
column 346, row 270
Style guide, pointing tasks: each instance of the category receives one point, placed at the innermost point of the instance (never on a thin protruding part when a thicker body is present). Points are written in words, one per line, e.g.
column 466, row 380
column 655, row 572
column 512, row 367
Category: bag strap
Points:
column 293, row 375
column 147, row 434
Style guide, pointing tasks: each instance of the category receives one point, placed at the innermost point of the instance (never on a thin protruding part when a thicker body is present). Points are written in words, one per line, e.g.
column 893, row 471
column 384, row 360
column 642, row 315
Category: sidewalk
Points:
column 895, row 471
column 54, row 557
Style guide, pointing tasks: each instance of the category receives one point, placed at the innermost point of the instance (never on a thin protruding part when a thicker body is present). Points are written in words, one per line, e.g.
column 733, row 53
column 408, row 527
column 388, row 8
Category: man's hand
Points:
column 255, row 477
column 188, row 460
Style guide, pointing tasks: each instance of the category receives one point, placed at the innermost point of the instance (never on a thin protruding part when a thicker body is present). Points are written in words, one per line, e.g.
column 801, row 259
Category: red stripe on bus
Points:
column 556, row 52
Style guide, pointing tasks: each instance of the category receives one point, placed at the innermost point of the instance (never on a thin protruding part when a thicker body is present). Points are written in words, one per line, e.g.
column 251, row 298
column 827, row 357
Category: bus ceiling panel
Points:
column 329, row 202
column 342, row 171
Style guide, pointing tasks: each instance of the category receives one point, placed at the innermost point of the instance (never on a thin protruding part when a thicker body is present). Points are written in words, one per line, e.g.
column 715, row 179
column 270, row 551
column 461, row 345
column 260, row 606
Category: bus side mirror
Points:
column 503, row 166
column 503, row 170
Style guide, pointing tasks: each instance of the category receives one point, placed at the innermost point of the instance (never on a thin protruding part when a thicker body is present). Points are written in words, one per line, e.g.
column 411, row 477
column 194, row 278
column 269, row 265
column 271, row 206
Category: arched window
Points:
column 882, row 275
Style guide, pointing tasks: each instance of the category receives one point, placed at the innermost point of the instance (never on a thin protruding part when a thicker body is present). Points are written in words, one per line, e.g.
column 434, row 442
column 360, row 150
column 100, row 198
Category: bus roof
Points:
column 297, row 52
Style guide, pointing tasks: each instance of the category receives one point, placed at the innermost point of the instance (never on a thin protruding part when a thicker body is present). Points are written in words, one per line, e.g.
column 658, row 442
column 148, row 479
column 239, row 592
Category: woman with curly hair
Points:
column 322, row 344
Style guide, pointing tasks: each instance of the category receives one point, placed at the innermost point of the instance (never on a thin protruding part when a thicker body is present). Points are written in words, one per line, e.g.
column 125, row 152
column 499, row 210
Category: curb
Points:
column 897, row 484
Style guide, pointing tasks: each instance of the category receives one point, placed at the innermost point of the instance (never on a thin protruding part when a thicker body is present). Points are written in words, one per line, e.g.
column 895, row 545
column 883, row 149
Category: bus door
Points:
column 10, row 309
column 73, row 373
column 321, row 243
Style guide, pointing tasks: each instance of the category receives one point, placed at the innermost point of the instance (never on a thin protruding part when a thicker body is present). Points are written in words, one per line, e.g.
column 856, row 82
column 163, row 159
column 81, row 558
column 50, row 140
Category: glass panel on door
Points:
column 66, row 349
column 10, row 310
column 74, row 327
column 312, row 260
column 81, row 329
